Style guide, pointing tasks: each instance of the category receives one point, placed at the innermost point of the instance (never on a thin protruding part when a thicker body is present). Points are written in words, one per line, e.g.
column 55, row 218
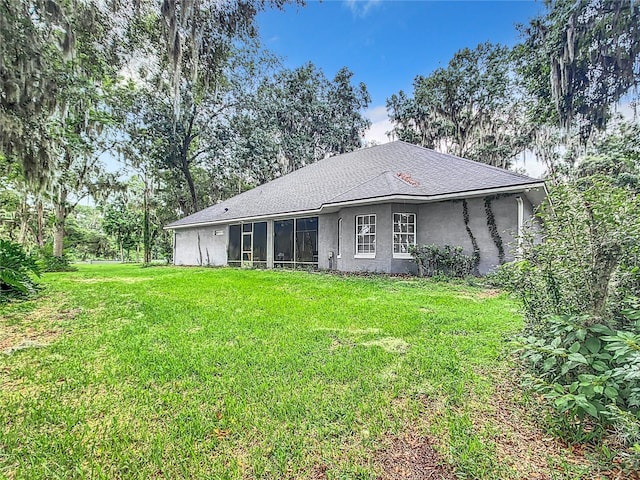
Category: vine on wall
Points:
column 493, row 229
column 475, row 257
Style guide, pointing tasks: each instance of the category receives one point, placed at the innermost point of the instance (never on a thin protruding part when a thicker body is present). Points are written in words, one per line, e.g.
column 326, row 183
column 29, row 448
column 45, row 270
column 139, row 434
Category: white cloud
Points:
column 380, row 125
column 361, row 8
column 531, row 166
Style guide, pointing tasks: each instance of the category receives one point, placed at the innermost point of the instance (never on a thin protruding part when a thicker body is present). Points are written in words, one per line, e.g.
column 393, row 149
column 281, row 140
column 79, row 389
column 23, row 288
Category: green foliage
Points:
column 447, row 261
column 124, row 224
column 16, row 270
column 493, row 229
column 53, row 263
column 589, row 261
column 470, row 108
column 584, row 368
column 296, row 118
column 580, row 290
column 616, row 156
column 476, row 249
column 578, row 59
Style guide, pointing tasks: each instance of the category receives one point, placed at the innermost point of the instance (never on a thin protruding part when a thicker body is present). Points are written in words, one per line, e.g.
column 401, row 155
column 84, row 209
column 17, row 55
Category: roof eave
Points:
column 371, row 201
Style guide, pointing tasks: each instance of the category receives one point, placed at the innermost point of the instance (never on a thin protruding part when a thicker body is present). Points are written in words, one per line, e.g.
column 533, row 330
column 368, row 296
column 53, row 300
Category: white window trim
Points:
column 415, row 234
column 364, row 255
column 368, row 254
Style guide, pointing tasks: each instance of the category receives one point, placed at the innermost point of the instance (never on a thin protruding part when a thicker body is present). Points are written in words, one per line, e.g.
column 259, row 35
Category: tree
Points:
column 123, row 223
column 471, row 108
column 36, row 38
column 84, row 235
column 52, row 50
column 297, row 117
column 579, row 59
column 616, row 156
column 193, row 55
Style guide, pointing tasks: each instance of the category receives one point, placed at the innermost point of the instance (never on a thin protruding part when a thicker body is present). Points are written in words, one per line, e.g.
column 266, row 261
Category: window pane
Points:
column 405, row 228
column 246, row 227
column 260, row 242
column 307, row 224
column 307, row 246
column 366, row 234
column 283, row 241
column 246, row 243
column 234, row 243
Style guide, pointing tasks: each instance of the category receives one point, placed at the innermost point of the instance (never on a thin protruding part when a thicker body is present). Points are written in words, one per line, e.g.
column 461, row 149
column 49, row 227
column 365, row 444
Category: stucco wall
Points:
column 441, row 223
column 212, row 249
column 383, row 261
column 327, row 241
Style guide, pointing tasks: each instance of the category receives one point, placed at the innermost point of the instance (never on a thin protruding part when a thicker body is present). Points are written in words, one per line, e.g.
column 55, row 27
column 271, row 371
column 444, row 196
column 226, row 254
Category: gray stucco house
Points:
column 361, row 211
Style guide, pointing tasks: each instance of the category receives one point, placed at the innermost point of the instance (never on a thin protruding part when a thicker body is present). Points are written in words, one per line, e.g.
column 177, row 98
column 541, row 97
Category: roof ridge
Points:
column 467, row 160
column 358, row 186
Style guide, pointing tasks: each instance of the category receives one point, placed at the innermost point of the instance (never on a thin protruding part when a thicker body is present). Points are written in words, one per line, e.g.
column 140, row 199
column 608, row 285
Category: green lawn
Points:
column 120, row 371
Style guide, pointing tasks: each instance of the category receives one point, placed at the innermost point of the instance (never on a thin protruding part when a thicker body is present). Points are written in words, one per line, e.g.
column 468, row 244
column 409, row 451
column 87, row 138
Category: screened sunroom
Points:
column 295, row 243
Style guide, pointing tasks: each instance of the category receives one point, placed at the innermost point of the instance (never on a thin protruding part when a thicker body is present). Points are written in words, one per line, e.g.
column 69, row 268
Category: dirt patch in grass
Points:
column 411, row 457
column 38, row 328
column 389, row 344
column 522, row 445
column 488, row 293
column 127, row 280
column 479, row 295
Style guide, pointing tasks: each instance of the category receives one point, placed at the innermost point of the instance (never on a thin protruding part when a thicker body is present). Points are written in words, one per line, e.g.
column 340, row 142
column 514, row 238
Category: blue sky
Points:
column 387, row 43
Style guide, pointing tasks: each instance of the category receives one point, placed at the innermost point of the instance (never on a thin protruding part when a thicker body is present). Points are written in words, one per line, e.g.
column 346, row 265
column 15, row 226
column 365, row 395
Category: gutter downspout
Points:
column 520, row 225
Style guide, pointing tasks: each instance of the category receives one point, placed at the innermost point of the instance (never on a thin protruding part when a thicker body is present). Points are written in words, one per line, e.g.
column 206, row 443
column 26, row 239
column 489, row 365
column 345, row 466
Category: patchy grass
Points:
column 229, row 374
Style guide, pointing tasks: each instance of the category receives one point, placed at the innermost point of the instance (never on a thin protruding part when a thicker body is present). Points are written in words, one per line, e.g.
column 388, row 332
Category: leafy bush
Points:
column 589, row 261
column 52, row 263
column 580, row 289
column 448, row 261
column 584, row 369
column 16, row 270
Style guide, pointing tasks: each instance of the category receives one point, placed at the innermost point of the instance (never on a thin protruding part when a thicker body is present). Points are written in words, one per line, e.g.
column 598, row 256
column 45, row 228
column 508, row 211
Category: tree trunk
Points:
column 145, row 228
column 192, row 187
column 185, row 161
column 58, row 238
column 40, row 223
column 24, row 221
column 60, row 212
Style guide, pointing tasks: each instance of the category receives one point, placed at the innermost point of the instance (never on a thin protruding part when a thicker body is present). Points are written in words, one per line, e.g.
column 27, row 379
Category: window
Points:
column 365, row 236
column 259, row 249
column 283, row 242
column 234, row 252
column 306, row 240
column 404, row 234
column 247, row 245
column 295, row 242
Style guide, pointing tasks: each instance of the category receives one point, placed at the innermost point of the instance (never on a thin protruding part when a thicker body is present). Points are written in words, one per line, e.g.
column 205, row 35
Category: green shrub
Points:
column 448, row 261
column 589, row 260
column 583, row 369
column 580, row 288
column 16, row 270
column 52, row 263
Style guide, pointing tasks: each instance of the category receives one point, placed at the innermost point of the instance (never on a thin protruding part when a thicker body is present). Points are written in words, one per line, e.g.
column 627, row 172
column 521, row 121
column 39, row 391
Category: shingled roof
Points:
column 396, row 170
